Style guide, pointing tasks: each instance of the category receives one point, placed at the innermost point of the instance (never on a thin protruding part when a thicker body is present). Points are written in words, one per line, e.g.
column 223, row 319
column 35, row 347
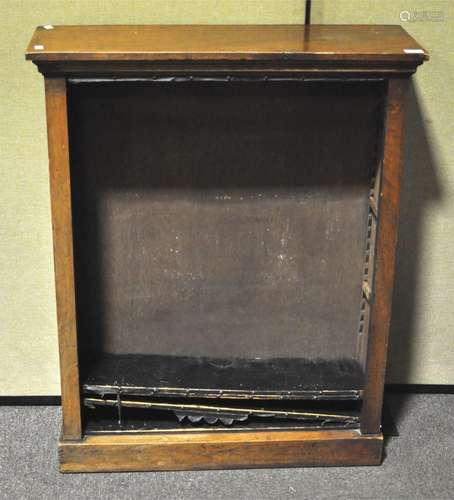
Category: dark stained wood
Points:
column 148, row 50
column 57, row 131
column 384, row 52
column 283, row 66
column 139, row 374
column 219, row 451
column 216, row 250
column 223, row 42
column 385, row 256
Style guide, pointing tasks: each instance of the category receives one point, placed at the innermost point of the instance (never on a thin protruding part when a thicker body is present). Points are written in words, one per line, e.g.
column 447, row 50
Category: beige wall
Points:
column 422, row 341
column 422, row 350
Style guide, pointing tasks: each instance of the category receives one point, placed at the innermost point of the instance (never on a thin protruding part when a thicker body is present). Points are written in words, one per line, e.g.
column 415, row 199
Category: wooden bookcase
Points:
column 225, row 205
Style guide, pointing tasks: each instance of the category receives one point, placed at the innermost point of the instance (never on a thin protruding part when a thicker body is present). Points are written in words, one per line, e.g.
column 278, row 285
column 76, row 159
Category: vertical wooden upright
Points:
column 60, row 189
column 385, row 256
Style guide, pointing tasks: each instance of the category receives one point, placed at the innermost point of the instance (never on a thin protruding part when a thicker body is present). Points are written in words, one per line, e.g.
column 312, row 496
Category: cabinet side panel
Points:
column 385, row 257
column 57, row 131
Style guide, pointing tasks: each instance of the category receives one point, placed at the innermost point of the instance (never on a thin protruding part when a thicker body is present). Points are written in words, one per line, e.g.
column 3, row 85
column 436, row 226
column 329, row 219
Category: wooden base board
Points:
column 223, row 450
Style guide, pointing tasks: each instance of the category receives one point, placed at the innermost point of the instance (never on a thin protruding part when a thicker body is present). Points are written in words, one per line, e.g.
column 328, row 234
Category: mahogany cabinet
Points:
column 225, row 205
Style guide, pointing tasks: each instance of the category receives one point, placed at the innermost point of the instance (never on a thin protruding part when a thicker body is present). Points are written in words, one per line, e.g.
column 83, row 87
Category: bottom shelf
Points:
column 271, row 378
column 152, row 393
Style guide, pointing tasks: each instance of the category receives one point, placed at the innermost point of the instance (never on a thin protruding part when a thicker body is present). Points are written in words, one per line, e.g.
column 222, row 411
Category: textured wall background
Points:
column 422, row 347
column 422, row 338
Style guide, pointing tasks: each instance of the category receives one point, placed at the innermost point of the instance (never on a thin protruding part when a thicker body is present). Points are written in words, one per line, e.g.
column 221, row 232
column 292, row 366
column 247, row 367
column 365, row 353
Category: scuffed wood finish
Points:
column 364, row 53
column 57, row 131
column 218, row 42
column 114, row 50
column 219, row 451
column 385, row 256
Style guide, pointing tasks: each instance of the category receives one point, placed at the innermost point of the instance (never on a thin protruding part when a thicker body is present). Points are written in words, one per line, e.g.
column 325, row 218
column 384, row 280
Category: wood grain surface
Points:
column 385, row 255
column 219, row 451
column 223, row 42
column 60, row 189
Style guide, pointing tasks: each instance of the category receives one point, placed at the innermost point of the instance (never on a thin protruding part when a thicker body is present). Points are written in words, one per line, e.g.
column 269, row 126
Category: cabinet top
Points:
column 360, row 44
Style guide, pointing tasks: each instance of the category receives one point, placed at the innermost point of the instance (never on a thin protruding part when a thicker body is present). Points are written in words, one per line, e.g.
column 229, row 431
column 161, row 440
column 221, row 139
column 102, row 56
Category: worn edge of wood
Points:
column 60, row 190
column 130, row 67
column 116, row 453
column 385, row 259
column 212, row 53
column 59, row 56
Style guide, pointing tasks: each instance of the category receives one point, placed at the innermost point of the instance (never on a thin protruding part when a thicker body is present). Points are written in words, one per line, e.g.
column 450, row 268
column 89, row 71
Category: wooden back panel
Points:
column 222, row 219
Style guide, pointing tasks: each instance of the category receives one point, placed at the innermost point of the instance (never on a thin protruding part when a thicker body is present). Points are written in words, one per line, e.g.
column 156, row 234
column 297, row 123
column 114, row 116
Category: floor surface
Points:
column 419, row 463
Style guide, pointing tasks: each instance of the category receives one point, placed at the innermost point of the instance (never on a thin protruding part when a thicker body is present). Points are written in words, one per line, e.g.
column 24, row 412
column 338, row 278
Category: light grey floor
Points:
column 419, row 464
